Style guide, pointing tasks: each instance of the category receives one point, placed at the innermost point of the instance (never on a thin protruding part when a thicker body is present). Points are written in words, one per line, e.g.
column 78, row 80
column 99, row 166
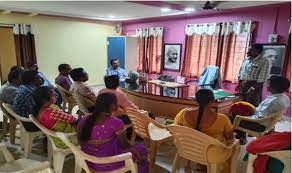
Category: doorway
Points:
column 7, row 52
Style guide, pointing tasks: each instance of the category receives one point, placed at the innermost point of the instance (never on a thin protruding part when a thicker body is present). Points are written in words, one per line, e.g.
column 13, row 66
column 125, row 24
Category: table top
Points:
column 175, row 90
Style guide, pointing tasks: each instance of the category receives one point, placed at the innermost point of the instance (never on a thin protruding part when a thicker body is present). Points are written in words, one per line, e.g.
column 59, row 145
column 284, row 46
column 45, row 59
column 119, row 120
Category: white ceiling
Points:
column 88, row 9
column 112, row 10
column 226, row 4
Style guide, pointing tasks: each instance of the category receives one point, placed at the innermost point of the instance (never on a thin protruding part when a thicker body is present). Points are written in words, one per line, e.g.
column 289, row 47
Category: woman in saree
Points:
column 50, row 116
column 214, row 124
column 101, row 134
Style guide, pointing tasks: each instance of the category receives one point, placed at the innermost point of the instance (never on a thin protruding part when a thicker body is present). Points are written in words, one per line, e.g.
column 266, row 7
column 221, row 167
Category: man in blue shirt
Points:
column 116, row 70
column 24, row 103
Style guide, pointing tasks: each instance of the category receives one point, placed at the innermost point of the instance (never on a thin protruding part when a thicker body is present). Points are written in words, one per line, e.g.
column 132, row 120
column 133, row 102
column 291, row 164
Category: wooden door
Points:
column 7, row 52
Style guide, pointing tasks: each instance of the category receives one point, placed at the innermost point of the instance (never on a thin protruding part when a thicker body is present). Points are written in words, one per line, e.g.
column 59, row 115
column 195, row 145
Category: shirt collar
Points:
column 276, row 95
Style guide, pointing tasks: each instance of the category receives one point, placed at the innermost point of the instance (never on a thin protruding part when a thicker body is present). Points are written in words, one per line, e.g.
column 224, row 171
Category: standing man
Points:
column 116, row 70
column 253, row 72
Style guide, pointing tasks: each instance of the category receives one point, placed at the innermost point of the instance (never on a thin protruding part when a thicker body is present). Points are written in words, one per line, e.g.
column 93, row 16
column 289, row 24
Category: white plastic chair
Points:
column 81, row 158
column 193, row 145
column 82, row 102
column 25, row 136
column 269, row 121
column 12, row 125
column 56, row 154
column 67, row 98
column 22, row 165
column 284, row 156
column 148, row 129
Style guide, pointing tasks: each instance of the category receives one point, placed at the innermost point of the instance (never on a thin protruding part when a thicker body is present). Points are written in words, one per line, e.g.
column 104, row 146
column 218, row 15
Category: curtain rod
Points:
column 6, row 25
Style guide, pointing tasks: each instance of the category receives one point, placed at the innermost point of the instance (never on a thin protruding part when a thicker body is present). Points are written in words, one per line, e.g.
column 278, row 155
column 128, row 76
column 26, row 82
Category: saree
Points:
column 103, row 142
column 58, row 121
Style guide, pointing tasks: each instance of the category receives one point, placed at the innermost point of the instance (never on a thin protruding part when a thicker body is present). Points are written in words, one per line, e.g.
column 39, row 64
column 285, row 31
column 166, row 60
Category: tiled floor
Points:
column 164, row 157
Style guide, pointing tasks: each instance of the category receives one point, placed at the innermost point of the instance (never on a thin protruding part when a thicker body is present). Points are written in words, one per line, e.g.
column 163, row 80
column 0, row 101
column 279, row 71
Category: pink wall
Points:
column 265, row 16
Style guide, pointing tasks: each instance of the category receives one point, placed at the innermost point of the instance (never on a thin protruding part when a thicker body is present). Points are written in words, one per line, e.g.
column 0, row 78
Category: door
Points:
column 116, row 50
column 7, row 52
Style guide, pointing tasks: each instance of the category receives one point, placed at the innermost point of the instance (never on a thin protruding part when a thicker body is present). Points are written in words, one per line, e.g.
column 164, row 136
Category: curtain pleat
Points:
column 149, row 48
column 24, row 44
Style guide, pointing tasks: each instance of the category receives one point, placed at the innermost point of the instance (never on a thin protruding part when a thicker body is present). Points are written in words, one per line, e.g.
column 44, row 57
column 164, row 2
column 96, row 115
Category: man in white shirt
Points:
column 277, row 101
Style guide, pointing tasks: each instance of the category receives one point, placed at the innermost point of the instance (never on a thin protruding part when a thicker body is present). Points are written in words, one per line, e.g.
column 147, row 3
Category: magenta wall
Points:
column 265, row 16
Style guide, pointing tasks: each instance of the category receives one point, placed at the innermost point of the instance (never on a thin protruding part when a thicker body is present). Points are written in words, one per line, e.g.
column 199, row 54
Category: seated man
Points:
column 80, row 76
column 275, row 102
column 116, row 70
column 9, row 89
column 24, row 103
column 34, row 66
column 46, row 81
column 112, row 83
column 63, row 78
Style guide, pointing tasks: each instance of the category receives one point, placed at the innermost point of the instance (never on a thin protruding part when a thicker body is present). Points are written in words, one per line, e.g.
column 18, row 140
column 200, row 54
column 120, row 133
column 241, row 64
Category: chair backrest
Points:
column 192, row 144
column 5, row 113
column 140, row 122
column 210, row 77
column 82, row 102
column 64, row 93
column 273, row 119
column 81, row 157
column 10, row 111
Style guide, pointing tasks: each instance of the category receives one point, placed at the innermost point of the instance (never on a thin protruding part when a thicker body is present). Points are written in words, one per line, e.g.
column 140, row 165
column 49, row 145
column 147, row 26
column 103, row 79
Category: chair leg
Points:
column 133, row 137
column 27, row 142
column 12, row 130
column 175, row 163
column 153, row 152
column 70, row 107
column 58, row 161
column 77, row 168
column 50, row 151
column 212, row 168
column 4, row 127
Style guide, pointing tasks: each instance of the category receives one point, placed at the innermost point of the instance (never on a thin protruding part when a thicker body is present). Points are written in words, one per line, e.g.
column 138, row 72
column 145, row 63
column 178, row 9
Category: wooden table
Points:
column 155, row 98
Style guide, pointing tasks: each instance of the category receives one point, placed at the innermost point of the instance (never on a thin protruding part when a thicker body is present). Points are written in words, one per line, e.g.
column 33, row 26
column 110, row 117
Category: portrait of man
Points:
column 275, row 54
column 172, row 54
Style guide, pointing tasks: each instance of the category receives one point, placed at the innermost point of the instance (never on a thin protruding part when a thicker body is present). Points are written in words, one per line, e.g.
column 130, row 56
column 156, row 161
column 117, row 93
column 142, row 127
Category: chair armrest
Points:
column 23, row 119
column 7, row 155
column 239, row 118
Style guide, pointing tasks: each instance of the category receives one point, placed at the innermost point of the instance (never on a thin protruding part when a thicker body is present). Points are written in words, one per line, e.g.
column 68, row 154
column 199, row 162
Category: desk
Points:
column 166, row 102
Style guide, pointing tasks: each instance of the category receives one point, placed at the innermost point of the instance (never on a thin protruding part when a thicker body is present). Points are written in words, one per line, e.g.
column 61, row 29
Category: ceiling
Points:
column 117, row 10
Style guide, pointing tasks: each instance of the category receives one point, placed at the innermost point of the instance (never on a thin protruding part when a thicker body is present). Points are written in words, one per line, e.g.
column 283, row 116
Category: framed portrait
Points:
column 275, row 53
column 170, row 92
column 172, row 56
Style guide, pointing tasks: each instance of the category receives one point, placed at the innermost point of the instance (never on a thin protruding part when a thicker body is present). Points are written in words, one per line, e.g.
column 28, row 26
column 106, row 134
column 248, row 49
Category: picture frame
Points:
column 275, row 53
column 170, row 92
column 172, row 56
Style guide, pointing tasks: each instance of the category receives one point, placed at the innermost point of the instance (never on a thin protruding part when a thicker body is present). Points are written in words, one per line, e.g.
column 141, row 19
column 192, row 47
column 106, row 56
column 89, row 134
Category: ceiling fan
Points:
column 211, row 5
